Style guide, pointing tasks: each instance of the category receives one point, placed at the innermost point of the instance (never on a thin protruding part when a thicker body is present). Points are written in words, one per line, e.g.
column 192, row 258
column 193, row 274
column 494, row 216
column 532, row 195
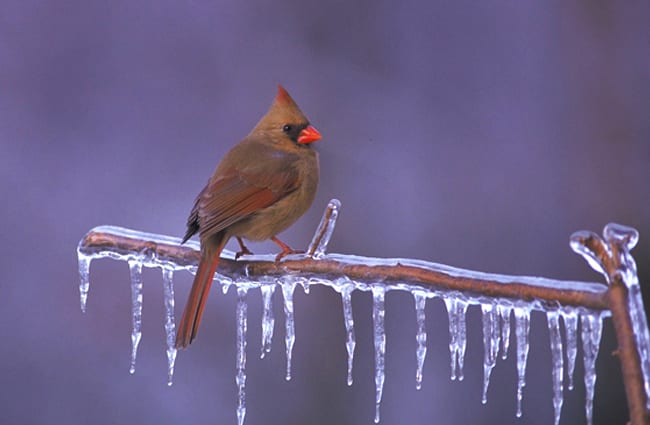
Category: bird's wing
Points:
column 238, row 193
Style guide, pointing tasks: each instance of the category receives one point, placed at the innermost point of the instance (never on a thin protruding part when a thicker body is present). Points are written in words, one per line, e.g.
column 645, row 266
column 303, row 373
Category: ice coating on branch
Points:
column 350, row 341
column 624, row 238
column 421, row 335
column 170, row 325
column 268, row 320
column 456, row 309
column 84, row 275
column 522, row 330
column 553, row 318
column 611, row 257
column 504, row 314
column 165, row 253
column 570, row 318
column 288, row 286
column 490, row 344
column 378, row 314
column 323, row 233
column 592, row 327
column 136, row 309
column 240, row 379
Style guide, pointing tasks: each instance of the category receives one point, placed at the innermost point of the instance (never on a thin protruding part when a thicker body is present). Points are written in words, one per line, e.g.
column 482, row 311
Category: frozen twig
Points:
column 456, row 286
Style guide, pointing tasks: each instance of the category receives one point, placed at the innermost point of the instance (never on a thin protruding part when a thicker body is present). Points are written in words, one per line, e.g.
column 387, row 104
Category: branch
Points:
column 611, row 258
column 540, row 293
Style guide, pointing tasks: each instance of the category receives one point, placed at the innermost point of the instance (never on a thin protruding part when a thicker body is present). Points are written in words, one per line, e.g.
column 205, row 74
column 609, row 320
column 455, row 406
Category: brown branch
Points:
column 612, row 258
column 493, row 286
column 604, row 256
column 628, row 354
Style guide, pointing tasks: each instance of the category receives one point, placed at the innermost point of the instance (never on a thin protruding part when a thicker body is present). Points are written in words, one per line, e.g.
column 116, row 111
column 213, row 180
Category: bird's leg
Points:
column 286, row 249
column 244, row 249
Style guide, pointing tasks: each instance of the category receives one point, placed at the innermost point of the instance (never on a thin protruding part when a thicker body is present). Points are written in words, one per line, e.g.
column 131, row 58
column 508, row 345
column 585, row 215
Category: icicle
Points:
column 240, row 379
column 641, row 333
column 378, row 313
column 318, row 245
column 268, row 321
column 490, row 344
column 522, row 328
column 504, row 313
column 84, row 275
column 170, row 326
column 592, row 326
column 288, row 286
column 350, row 342
column 136, row 304
column 553, row 318
column 421, row 335
column 570, row 318
column 456, row 309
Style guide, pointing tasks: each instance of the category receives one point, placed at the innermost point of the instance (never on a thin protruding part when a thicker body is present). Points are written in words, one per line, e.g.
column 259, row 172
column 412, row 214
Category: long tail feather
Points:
column 193, row 312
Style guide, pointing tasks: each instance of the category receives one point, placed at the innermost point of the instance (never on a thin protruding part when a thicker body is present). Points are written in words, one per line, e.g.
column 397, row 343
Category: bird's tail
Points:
column 191, row 319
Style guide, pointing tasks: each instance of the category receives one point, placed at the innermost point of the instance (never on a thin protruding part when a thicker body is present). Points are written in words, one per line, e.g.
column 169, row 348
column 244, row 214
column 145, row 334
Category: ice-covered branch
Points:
column 498, row 295
column 611, row 257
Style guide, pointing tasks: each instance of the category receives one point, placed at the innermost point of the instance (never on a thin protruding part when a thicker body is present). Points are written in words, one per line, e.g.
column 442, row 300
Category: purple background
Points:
column 474, row 134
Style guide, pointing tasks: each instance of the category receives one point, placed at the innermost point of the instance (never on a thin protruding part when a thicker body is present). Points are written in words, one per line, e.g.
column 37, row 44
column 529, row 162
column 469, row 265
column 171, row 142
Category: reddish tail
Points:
column 191, row 319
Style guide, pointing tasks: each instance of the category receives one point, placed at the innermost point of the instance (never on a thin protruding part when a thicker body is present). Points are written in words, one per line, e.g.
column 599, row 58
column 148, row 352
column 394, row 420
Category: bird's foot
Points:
column 244, row 249
column 286, row 249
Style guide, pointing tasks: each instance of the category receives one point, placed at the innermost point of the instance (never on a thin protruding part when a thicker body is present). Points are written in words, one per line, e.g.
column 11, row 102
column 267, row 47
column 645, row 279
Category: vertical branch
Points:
column 628, row 354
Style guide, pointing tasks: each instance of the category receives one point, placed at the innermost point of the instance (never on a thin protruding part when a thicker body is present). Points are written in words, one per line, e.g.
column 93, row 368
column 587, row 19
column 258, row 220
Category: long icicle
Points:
column 421, row 335
column 348, row 319
column 522, row 330
column 553, row 318
column 456, row 309
column 378, row 314
column 490, row 344
column 170, row 325
column 288, row 286
column 135, row 268
column 592, row 327
column 240, row 379
column 570, row 318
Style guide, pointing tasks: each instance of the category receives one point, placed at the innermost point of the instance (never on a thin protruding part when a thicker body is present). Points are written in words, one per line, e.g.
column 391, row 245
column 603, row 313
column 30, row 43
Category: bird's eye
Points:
column 287, row 128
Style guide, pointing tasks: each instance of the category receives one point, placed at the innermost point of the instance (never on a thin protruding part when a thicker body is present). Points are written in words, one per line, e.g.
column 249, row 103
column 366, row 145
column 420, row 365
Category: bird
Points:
column 263, row 185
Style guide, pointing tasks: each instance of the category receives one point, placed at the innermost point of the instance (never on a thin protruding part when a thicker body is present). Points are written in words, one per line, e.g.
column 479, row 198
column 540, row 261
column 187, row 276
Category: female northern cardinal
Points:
column 264, row 184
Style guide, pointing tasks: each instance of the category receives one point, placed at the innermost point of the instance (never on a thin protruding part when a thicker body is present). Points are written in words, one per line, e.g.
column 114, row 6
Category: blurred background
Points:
column 479, row 135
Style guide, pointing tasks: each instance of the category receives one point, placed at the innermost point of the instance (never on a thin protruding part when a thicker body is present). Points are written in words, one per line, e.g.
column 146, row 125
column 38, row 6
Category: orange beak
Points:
column 308, row 135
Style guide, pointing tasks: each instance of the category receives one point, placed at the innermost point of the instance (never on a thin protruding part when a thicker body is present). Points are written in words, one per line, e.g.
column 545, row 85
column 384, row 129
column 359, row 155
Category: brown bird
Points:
column 261, row 187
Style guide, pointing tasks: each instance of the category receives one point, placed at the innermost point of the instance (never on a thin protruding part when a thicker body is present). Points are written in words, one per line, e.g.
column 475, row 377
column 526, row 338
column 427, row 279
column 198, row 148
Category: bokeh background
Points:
column 476, row 134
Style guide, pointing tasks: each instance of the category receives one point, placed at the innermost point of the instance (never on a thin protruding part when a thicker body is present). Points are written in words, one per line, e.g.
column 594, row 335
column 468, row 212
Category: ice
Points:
column 490, row 344
column 456, row 309
column 170, row 325
column 240, row 379
column 288, row 286
column 378, row 314
column 592, row 327
column 570, row 318
column 349, row 273
column 84, row 275
column 136, row 306
column 323, row 233
column 421, row 335
column 268, row 320
column 553, row 318
column 350, row 341
column 640, row 329
column 611, row 257
column 522, row 329
column 504, row 313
